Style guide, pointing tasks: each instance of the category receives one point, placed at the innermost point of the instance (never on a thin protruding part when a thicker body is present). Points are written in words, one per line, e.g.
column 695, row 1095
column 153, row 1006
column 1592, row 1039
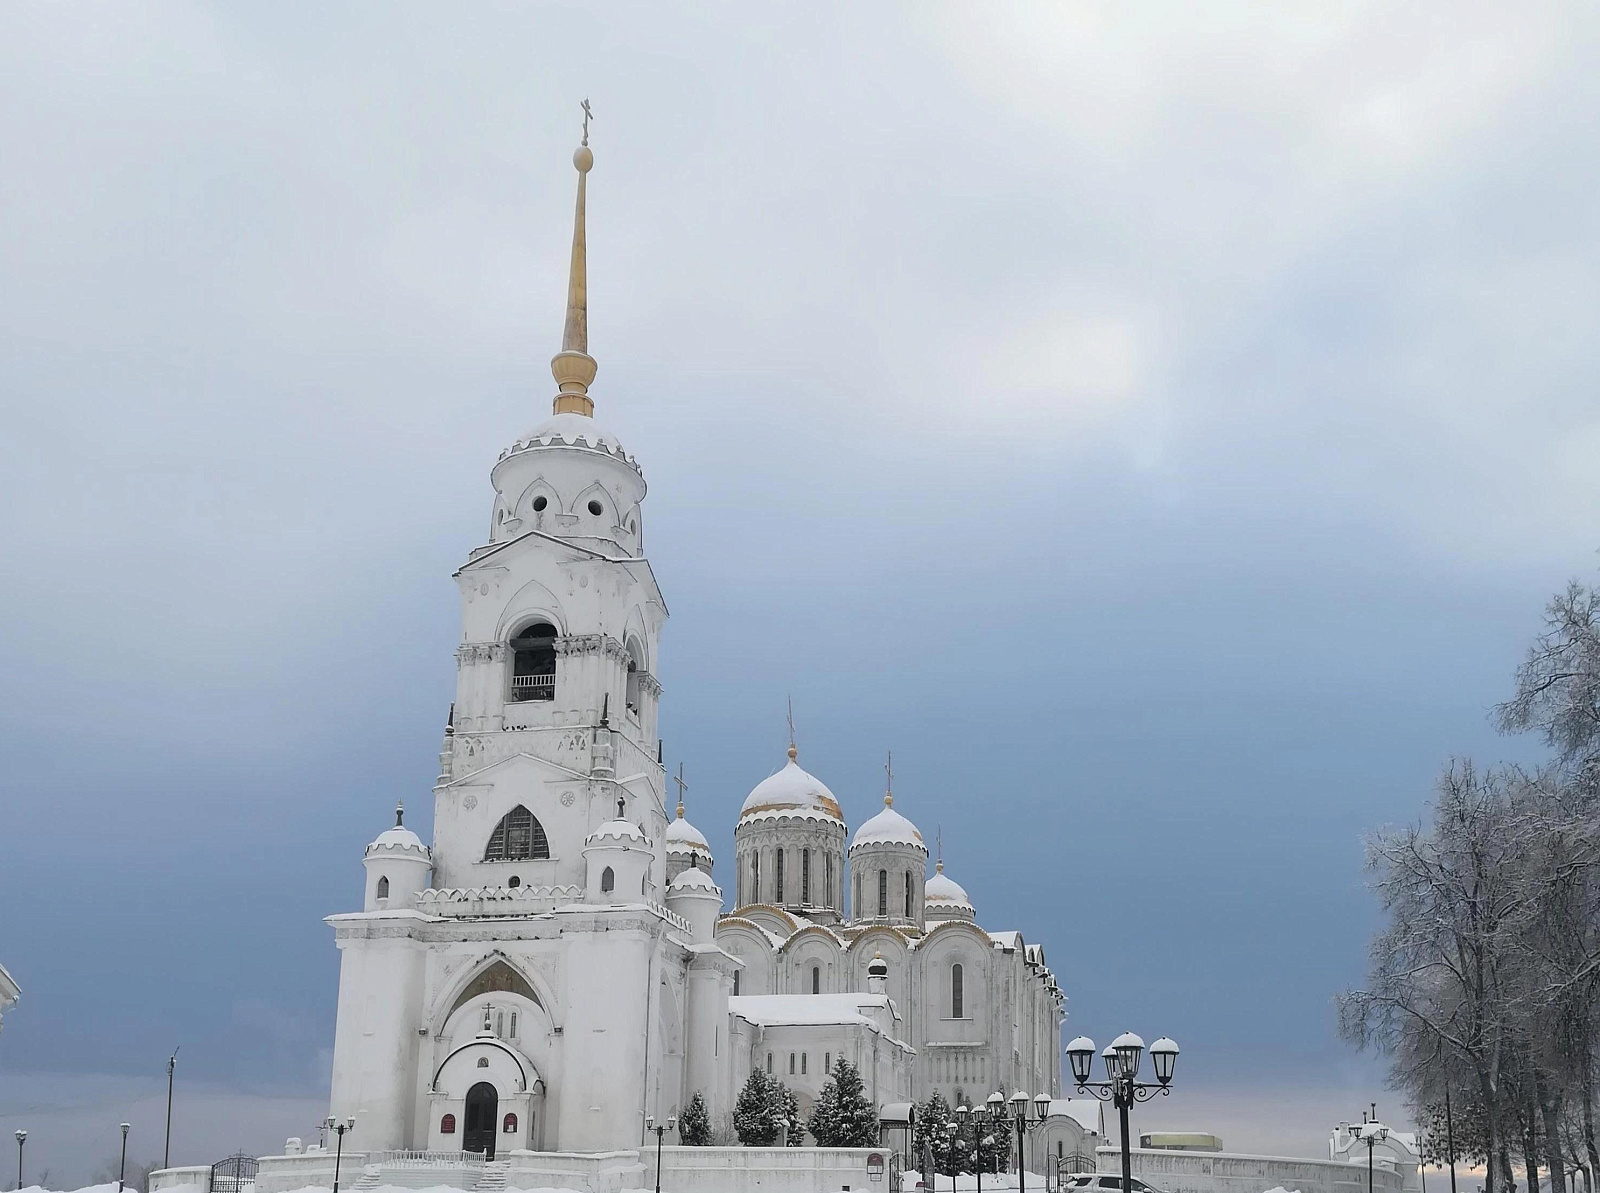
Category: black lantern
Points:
column 1130, row 1048
column 1081, row 1053
column 1164, row 1056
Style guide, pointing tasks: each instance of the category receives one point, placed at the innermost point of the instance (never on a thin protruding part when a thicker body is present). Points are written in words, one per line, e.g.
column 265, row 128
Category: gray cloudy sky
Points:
column 1160, row 427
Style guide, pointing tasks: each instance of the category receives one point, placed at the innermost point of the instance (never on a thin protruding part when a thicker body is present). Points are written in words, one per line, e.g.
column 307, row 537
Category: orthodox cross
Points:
column 682, row 787
column 791, row 724
column 587, row 116
column 939, row 837
column 888, row 774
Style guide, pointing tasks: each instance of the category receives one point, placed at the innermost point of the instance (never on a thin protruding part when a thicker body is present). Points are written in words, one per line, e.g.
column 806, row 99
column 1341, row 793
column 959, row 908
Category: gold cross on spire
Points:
column 792, row 750
column 888, row 774
column 587, row 116
column 682, row 787
column 939, row 837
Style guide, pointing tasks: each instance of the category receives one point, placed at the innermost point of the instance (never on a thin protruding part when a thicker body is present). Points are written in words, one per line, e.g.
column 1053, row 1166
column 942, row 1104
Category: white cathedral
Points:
column 558, row 965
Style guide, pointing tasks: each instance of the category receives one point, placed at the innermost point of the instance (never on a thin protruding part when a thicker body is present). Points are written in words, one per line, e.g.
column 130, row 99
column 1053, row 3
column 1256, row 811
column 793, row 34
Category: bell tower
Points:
column 555, row 717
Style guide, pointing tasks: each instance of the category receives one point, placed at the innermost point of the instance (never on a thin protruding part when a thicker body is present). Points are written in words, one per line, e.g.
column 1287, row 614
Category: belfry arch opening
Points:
column 533, row 662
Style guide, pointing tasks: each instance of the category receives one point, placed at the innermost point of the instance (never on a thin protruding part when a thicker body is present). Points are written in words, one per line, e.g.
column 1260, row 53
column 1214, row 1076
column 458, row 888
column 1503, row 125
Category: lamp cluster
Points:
column 1122, row 1057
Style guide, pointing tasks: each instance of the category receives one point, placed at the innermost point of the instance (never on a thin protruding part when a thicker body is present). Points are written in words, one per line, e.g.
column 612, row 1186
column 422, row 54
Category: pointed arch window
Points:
column 383, row 886
column 533, row 662
column 883, row 894
column 608, row 879
column 518, row 837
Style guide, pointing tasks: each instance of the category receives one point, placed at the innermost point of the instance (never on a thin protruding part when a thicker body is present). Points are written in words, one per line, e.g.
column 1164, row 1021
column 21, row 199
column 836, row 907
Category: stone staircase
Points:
column 370, row 1177
column 493, row 1177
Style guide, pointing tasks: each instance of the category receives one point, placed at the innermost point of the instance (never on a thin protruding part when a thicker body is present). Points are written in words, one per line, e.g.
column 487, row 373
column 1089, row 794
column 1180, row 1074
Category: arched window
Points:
column 447, row 1125
column 769, row 1062
column 778, row 880
column 957, row 993
column 755, row 877
column 827, row 895
column 908, row 894
column 533, row 662
column 791, row 1064
column 383, row 886
column 736, row 982
column 803, row 1056
column 510, row 1125
column 827, row 1062
column 518, row 837
column 883, row 893
column 805, row 876
column 816, row 979
column 635, row 669
column 608, row 880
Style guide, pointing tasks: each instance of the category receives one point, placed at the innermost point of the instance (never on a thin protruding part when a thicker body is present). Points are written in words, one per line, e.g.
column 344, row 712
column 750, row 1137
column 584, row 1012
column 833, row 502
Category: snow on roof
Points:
column 574, row 428
column 617, row 830
column 397, row 837
column 941, row 888
column 686, row 837
column 789, row 1010
column 1006, row 940
column 1088, row 1113
column 791, row 790
column 888, row 827
column 694, row 879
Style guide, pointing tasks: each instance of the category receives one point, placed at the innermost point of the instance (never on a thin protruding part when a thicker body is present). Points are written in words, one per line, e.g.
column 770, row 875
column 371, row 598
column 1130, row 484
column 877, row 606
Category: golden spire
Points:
column 573, row 367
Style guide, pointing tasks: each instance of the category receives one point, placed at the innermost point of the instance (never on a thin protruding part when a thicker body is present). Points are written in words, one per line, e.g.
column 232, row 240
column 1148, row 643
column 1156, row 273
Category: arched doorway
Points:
column 482, row 1114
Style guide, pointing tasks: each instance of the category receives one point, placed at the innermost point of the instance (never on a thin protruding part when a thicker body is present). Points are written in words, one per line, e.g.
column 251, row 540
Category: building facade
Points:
column 555, row 965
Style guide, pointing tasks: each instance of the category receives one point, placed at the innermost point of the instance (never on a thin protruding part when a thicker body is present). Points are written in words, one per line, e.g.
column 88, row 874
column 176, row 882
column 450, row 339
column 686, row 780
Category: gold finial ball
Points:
column 583, row 159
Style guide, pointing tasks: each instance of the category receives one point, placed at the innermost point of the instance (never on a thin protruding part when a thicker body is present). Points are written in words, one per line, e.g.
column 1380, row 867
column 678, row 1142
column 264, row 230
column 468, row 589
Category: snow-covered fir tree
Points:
column 694, row 1124
column 843, row 1115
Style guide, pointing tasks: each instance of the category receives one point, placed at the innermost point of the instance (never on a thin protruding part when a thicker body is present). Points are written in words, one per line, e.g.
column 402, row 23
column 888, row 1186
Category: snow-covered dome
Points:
column 618, row 830
column 888, row 827
column 945, row 898
column 694, row 880
column 397, row 839
column 683, row 837
column 576, row 430
column 792, row 792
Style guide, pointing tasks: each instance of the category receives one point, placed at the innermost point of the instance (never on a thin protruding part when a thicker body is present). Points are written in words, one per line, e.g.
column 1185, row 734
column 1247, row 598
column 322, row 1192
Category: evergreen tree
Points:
column 788, row 1111
column 931, row 1135
column 756, row 1113
column 843, row 1115
column 694, row 1124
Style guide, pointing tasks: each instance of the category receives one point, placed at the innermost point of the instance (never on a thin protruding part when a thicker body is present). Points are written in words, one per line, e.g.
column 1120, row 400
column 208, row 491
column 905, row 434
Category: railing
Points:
column 496, row 900
column 533, row 687
column 411, row 1158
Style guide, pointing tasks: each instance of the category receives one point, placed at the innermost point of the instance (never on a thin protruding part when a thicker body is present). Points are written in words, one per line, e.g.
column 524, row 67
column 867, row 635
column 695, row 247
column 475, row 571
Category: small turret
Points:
column 398, row 865
column 697, row 899
column 617, row 856
column 877, row 975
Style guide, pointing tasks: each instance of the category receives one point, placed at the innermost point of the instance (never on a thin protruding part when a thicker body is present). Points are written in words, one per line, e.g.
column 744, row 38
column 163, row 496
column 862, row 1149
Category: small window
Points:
column 447, row 1125
column 827, row 1062
column 769, row 1062
column 596, row 508
column 791, row 1064
column 513, row 1025
column 803, row 1056
column 383, row 886
column 805, row 877
column 755, row 877
column 908, row 894
column 509, row 1127
column 883, row 893
column 816, row 979
column 513, row 882
column 539, row 503
column 957, row 992
column 483, row 1062
column 827, row 895
column 608, row 880
column 736, row 982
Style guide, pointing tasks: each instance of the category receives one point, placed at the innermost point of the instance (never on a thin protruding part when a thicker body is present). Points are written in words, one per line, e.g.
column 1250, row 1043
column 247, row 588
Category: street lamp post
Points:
column 1122, row 1087
column 166, row 1148
column 659, row 1130
column 122, row 1164
column 22, row 1137
column 340, row 1126
column 1374, row 1133
column 979, row 1117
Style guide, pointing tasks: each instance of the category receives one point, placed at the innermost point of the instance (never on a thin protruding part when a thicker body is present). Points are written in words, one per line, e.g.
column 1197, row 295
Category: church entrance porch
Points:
column 482, row 1115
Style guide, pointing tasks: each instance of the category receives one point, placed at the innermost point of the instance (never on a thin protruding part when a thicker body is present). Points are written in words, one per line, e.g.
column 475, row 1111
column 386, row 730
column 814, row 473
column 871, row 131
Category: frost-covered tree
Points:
column 789, row 1114
column 694, row 1124
column 844, row 1116
column 758, row 1111
column 1558, row 684
column 930, row 1136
